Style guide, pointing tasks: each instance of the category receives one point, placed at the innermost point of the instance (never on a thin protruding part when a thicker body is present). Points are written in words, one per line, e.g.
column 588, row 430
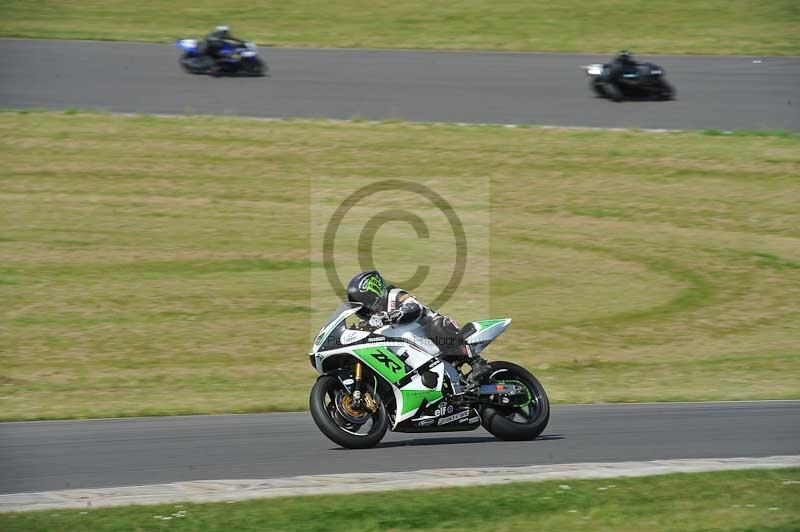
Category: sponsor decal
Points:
column 383, row 361
column 425, row 422
column 350, row 336
column 412, row 399
column 475, row 419
column 450, row 409
column 416, row 394
column 454, row 417
column 391, row 365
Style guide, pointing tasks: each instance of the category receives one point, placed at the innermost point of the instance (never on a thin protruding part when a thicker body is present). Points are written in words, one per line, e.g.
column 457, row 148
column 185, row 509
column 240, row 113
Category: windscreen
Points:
column 328, row 339
column 338, row 312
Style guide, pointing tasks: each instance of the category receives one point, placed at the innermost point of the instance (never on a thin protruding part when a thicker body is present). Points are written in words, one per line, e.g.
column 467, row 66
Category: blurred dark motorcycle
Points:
column 644, row 81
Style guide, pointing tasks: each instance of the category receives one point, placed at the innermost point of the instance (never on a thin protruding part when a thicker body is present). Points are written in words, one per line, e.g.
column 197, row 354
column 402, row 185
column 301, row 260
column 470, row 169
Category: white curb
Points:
column 201, row 491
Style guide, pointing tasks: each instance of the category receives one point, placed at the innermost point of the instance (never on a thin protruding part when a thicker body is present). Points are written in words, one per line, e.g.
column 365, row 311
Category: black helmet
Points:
column 625, row 55
column 369, row 289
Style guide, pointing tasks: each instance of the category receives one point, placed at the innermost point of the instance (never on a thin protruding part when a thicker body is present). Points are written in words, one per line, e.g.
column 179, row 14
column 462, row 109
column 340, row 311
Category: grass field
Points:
column 732, row 501
column 153, row 265
column 748, row 27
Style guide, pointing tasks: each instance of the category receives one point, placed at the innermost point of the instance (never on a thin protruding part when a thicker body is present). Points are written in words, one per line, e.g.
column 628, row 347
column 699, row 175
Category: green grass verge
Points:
column 732, row 501
column 683, row 26
column 153, row 265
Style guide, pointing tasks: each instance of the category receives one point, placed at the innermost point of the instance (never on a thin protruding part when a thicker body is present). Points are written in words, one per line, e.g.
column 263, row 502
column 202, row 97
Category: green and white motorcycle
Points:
column 373, row 378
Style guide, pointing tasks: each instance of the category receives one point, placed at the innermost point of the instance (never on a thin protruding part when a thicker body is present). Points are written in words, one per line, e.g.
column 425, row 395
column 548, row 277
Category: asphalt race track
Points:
column 53, row 455
column 547, row 89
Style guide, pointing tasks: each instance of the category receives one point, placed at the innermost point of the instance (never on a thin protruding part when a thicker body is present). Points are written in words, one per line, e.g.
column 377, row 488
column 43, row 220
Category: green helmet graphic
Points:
column 369, row 289
column 374, row 284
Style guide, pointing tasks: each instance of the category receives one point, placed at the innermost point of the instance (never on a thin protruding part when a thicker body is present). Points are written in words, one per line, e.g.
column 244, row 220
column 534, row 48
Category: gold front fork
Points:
column 369, row 401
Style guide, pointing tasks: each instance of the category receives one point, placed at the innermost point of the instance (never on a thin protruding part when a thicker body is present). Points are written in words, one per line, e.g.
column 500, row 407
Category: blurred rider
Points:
column 217, row 39
column 384, row 304
column 613, row 80
column 623, row 61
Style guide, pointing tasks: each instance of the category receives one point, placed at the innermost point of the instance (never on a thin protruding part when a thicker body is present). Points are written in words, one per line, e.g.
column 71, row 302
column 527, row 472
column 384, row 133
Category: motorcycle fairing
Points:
column 410, row 393
column 441, row 417
column 339, row 315
column 187, row 45
column 412, row 332
column 485, row 332
column 644, row 73
column 595, row 69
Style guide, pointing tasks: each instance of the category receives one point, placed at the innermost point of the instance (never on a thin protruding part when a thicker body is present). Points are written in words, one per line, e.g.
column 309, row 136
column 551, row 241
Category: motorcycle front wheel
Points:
column 255, row 67
column 335, row 415
column 667, row 91
column 525, row 417
column 597, row 88
column 191, row 64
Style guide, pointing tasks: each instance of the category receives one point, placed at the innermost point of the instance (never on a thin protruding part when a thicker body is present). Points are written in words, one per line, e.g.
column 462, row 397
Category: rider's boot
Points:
column 480, row 369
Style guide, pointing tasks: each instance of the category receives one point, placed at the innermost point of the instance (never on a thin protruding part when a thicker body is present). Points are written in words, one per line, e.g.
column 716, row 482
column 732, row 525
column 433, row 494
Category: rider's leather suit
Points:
column 402, row 307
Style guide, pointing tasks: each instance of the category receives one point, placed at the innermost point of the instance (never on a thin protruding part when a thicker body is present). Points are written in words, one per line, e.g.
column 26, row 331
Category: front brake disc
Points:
column 346, row 409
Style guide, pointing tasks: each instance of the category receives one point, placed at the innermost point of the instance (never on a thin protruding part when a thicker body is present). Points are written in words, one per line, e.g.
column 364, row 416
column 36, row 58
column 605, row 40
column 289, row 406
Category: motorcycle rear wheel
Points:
column 517, row 422
column 337, row 428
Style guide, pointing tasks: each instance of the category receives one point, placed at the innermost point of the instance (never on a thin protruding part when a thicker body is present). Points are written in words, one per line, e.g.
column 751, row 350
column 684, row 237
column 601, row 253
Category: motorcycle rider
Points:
column 218, row 38
column 384, row 304
column 622, row 61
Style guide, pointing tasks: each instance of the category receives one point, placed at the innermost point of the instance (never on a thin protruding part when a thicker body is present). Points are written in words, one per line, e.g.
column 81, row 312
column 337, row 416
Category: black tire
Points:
column 189, row 64
column 514, row 423
column 256, row 67
column 667, row 91
column 322, row 411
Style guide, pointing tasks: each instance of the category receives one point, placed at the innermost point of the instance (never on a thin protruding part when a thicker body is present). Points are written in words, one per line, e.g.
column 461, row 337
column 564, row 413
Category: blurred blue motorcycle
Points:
column 231, row 59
